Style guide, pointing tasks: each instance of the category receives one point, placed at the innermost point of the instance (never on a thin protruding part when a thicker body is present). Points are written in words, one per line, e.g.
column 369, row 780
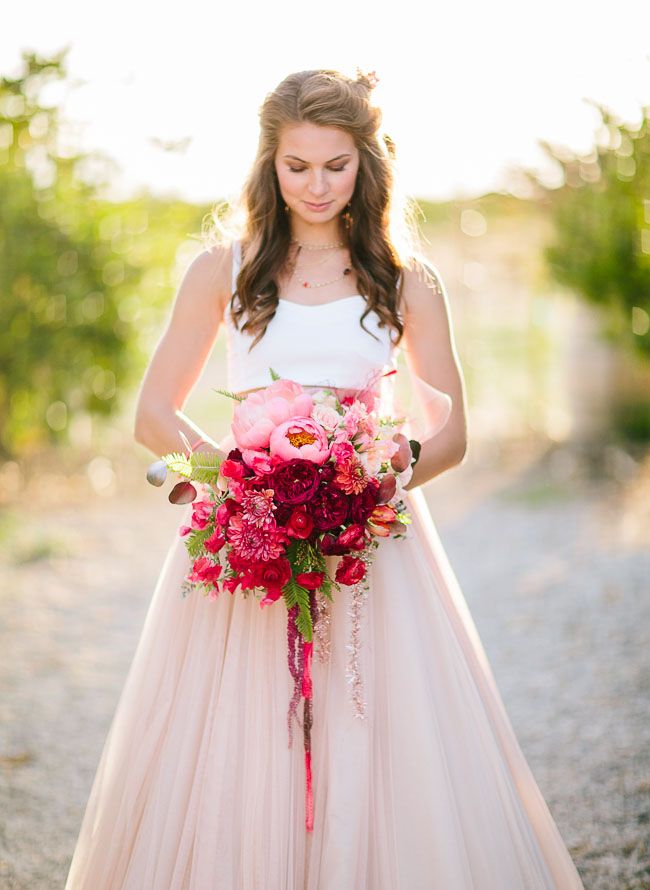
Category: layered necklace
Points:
column 307, row 245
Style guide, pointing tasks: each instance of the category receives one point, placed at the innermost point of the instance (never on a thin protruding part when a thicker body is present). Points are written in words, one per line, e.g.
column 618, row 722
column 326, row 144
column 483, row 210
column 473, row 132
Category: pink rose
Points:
column 301, row 438
column 256, row 417
column 201, row 513
column 326, row 416
column 259, row 461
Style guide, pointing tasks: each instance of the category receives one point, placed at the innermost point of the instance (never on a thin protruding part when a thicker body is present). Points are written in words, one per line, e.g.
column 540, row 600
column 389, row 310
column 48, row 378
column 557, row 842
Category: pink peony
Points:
column 302, row 438
column 256, row 417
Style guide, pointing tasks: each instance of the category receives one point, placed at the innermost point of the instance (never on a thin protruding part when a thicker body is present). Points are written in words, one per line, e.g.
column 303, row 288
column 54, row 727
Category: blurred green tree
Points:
column 83, row 280
column 601, row 217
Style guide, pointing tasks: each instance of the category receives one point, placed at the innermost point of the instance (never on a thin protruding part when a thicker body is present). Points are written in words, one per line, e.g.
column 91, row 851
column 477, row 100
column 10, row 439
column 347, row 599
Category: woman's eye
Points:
column 302, row 169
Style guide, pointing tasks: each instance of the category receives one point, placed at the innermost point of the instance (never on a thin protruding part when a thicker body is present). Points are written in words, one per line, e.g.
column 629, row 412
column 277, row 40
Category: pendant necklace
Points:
column 305, row 283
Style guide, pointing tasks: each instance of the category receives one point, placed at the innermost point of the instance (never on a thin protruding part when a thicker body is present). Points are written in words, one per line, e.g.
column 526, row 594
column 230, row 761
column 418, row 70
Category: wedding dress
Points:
column 197, row 787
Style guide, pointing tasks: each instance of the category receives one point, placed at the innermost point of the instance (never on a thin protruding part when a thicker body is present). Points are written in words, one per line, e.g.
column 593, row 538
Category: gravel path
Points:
column 555, row 568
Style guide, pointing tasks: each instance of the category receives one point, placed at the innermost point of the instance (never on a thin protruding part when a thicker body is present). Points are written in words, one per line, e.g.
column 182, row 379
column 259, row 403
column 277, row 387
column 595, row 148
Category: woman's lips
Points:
column 318, row 206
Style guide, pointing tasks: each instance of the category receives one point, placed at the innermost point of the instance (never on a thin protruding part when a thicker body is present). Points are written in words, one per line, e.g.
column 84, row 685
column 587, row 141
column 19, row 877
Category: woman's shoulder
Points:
column 420, row 281
column 213, row 265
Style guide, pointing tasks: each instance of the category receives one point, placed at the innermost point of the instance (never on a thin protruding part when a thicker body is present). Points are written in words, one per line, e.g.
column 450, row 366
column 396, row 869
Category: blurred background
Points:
column 526, row 143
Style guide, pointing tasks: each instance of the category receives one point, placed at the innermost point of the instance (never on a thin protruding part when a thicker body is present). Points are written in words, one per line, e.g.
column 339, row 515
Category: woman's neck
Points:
column 318, row 233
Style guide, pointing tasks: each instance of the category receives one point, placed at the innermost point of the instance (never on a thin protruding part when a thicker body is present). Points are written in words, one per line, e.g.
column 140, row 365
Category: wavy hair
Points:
column 381, row 231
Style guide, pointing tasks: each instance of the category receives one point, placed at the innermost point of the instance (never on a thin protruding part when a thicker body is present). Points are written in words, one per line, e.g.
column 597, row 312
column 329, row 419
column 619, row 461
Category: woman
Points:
column 197, row 788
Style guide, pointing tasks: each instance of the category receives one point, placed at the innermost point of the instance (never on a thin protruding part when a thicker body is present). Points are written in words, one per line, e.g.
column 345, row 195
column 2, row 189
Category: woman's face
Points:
column 316, row 166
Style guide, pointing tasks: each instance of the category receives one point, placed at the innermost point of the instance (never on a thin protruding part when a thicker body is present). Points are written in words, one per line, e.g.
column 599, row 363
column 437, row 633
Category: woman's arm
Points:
column 181, row 354
column 430, row 352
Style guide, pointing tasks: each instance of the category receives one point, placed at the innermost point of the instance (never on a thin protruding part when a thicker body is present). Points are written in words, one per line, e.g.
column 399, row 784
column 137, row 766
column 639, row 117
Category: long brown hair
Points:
column 327, row 98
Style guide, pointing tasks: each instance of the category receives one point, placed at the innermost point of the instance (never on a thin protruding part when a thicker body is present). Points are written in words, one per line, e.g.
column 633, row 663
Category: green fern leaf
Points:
column 179, row 463
column 297, row 595
column 196, row 541
column 205, row 466
column 304, row 624
column 274, row 374
column 231, row 395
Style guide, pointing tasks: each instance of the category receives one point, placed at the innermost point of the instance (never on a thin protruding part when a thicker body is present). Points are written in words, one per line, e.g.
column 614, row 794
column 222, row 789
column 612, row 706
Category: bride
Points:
column 197, row 788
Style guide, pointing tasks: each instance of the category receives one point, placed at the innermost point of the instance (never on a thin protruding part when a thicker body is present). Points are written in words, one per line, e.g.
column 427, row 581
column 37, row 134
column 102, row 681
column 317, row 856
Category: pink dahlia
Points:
column 256, row 543
column 351, row 476
column 258, row 507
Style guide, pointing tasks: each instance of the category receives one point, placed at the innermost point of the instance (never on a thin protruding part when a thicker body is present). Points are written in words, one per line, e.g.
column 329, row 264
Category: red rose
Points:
column 300, row 524
column 350, row 570
column 205, row 570
column 232, row 469
column 295, row 481
column 282, row 512
column 230, row 584
column 330, row 547
column 272, row 574
column 237, row 562
column 362, row 504
column 353, row 538
column 215, row 542
column 327, row 472
column 224, row 511
column 310, row 580
column 329, row 508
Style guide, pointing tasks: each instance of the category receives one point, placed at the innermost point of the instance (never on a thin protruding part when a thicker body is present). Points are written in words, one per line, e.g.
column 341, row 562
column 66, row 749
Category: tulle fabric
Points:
column 198, row 789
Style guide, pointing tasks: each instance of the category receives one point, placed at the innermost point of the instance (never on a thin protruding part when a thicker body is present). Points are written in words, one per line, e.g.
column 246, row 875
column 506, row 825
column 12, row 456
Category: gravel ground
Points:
column 555, row 567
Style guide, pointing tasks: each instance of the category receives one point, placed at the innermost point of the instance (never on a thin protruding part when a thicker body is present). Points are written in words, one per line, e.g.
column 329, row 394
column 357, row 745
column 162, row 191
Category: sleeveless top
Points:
column 319, row 345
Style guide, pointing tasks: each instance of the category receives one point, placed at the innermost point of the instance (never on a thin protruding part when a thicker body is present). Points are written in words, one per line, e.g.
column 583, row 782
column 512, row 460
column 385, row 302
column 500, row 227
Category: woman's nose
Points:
column 318, row 185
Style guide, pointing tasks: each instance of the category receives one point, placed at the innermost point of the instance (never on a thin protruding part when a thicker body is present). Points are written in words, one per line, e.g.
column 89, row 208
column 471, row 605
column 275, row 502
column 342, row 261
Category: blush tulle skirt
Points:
column 198, row 789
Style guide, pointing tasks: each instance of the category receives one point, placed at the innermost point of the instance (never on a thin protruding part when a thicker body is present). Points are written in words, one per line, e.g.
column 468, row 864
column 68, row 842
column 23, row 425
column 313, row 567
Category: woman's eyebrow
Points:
column 337, row 158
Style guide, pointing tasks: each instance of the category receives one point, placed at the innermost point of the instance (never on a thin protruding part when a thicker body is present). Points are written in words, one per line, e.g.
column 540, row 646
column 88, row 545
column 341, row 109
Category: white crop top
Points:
column 319, row 345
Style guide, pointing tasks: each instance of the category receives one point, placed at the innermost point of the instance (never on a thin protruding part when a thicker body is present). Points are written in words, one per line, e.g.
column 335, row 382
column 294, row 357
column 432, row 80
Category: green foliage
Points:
column 196, row 540
column 200, row 466
column 231, row 395
column 83, row 280
column 601, row 216
column 297, row 595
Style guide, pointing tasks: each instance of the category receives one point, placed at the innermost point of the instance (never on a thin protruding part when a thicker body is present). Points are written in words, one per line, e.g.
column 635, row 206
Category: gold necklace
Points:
column 308, row 245
column 305, row 283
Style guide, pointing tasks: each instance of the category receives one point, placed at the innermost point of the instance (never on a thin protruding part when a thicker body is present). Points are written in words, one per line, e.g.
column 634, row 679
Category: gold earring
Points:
column 286, row 208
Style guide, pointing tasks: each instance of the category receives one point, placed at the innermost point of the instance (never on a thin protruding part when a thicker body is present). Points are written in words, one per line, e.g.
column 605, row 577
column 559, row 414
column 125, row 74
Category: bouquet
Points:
column 311, row 476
